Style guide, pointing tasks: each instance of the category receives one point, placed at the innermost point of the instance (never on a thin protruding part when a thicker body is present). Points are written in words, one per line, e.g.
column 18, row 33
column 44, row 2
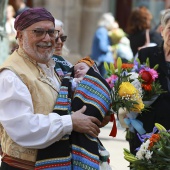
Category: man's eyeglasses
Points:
column 63, row 38
column 41, row 33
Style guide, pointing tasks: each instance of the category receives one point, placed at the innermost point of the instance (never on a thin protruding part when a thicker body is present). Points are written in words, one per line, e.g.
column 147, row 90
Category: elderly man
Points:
column 29, row 88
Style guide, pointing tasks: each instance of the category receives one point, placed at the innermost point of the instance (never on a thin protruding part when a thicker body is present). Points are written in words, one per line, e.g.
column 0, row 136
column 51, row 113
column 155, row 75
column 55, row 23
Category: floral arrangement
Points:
column 134, row 88
column 125, row 76
column 154, row 152
column 126, row 88
column 151, row 88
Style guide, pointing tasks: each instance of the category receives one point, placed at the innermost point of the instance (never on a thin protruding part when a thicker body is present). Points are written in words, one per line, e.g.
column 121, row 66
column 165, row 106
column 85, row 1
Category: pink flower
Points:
column 111, row 80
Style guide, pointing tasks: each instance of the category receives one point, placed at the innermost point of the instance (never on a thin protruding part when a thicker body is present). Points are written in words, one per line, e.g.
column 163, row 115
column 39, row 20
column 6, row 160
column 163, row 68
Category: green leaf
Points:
column 147, row 62
column 156, row 67
column 112, row 68
column 106, row 66
column 119, row 65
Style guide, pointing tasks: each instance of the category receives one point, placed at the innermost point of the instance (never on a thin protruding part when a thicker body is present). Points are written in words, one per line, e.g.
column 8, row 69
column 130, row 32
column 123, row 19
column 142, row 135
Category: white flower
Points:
column 139, row 155
column 133, row 75
column 143, row 150
column 148, row 154
column 136, row 83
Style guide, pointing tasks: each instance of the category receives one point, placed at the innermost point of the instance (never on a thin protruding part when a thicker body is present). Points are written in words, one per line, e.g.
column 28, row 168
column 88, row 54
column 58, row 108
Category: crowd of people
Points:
column 51, row 111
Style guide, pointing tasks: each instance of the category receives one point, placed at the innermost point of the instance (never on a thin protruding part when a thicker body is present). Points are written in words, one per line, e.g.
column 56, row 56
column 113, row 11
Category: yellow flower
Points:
column 138, row 107
column 126, row 89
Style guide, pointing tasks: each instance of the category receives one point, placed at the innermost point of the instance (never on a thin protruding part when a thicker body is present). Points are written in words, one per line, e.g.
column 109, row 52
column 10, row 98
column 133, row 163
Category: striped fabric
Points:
column 61, row 66
column 81, row 150
column 17, row 163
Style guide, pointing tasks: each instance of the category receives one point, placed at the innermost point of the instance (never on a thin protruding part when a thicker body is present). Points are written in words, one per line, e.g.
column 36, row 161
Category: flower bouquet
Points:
column 151, row 88
column 126, row 93
column 134, row 88
column 126, row 89
column 154, row 152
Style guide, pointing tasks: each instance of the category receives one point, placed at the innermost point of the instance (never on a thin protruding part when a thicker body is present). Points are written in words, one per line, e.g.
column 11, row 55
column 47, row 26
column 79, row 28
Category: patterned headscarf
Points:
column 87, row 60
column 31, row 16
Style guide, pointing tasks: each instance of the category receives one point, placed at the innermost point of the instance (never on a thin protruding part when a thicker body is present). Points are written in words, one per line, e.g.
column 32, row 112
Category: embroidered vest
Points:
column 43, row 95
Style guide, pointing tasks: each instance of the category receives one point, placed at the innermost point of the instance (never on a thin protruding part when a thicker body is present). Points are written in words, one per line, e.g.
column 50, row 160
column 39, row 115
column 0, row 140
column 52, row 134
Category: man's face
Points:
column 39, row 48
column 80, row 70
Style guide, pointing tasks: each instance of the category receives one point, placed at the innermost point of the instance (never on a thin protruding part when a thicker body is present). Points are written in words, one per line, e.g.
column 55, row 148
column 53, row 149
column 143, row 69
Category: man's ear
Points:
column 19, row 35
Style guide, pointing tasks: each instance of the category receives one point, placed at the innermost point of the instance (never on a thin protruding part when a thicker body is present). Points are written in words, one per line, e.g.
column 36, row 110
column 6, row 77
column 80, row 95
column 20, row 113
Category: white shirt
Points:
column 17, row 114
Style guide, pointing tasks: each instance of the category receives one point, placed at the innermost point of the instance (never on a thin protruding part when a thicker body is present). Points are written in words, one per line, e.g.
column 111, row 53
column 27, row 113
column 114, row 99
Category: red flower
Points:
column 146, row 76
column 147, row 87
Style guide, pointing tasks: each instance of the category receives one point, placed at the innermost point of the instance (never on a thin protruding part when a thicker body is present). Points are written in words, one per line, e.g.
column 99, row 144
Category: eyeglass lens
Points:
column 42, row 33
column 62, row 38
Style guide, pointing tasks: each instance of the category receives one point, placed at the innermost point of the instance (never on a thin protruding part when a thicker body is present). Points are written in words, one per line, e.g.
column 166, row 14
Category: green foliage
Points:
column 160, row 159
column 155, row 91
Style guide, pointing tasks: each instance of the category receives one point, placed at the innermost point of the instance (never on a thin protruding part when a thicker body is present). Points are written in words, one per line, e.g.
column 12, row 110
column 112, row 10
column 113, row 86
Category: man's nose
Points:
column 47, row 37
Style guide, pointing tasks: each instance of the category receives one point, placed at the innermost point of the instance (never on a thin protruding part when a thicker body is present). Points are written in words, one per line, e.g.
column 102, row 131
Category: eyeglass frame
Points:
column 61, row 38
column 45, row 33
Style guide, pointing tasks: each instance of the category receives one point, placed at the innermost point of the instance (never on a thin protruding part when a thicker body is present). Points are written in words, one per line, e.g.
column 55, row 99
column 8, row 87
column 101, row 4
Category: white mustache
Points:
column 45, row 44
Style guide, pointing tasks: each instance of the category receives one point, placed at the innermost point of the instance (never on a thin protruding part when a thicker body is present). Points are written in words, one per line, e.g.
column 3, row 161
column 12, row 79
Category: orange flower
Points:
column 127, row 65
column 154, row 138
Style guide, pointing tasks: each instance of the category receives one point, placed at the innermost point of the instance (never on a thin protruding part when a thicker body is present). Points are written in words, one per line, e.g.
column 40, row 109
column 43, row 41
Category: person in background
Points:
column 159, row 111
column 79, row 88
column 120, row 44
column 21, row 6
column 29, row 88
column 61, row 51
column 138, row 22
column 101, row 46
column 9, row 27
column 61, row 48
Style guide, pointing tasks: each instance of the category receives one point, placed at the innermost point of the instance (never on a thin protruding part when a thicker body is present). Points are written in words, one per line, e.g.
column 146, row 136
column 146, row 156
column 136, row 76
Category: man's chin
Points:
column 44, row 58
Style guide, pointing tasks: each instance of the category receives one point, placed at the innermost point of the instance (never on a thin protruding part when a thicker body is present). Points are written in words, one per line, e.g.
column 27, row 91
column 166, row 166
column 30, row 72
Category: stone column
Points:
column 91, row 12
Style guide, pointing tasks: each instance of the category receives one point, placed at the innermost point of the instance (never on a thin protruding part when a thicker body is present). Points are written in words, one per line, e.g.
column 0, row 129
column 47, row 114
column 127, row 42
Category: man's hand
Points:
column 85, row 124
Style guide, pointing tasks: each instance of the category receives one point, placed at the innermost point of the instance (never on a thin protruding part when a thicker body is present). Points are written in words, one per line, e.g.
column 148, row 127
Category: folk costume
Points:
column 78, row 151
column 28, row 94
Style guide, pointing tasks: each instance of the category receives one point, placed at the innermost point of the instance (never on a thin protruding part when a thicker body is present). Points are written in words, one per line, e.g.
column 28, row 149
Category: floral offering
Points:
column 150, row 87
column 126, row 88
column 154, row 152
column 134, row 88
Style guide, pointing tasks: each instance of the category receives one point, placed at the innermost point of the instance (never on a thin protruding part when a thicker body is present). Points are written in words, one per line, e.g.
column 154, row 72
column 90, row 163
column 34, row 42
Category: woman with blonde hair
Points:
column 61, row 51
